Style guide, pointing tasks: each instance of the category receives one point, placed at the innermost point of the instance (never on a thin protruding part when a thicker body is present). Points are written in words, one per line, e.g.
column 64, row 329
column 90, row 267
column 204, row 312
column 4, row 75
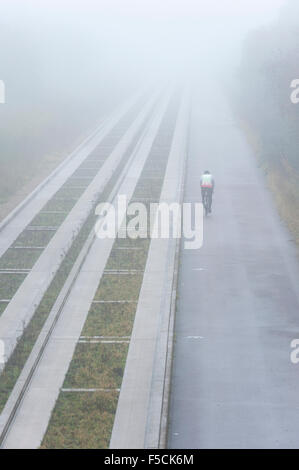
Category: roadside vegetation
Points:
column 263, row 103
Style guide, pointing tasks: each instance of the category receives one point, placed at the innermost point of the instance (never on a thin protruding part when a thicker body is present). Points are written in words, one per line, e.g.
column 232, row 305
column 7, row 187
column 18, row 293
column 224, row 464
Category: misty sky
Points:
column 151, row 28
column 252, row 10
column 125, row 40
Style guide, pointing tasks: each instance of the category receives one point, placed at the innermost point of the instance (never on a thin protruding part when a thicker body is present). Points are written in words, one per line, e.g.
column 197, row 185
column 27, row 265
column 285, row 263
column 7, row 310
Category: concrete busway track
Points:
column 22, row 305
column 140, row 420
column 25, row 417
column 233, row 382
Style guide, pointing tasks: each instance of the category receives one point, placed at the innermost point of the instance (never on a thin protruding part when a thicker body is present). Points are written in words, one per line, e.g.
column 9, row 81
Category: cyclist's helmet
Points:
column 207, row 172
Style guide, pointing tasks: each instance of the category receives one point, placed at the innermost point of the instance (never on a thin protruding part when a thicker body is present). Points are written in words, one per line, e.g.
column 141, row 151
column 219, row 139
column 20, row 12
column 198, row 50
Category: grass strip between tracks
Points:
column 83, row 419
column 16, row 362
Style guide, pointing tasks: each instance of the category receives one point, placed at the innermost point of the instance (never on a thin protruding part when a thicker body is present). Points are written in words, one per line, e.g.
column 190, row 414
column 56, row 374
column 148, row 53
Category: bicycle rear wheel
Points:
column 206, row 203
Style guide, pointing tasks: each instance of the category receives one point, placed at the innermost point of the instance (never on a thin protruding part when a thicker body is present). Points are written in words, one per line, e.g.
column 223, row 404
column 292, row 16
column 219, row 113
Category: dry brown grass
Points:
column 284, row 184
column 283, row 181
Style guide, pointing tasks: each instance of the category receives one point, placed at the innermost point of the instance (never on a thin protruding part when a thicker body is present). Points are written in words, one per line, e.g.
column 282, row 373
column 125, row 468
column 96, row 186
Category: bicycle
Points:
column 206, row 201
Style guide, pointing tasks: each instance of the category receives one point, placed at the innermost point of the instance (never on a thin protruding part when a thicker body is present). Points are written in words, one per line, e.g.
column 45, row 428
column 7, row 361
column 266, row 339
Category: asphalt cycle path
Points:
column 233, row 382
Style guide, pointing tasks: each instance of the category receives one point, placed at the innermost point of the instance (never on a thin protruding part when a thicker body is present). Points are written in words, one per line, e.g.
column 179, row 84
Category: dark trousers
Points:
column 209, row 192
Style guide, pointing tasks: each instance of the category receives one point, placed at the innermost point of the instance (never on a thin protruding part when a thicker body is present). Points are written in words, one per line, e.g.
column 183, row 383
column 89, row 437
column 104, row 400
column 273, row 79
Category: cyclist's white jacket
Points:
column 207, row 181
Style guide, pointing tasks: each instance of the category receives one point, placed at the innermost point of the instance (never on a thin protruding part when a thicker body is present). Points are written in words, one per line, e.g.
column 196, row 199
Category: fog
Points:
column 225, row 312
column 120, row 42
column 67, row 63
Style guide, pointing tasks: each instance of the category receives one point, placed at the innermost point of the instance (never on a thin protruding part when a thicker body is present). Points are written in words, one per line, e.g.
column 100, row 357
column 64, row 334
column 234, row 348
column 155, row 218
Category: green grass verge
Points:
column 113, row 319
column 61, row 203
column 73, row 415
column 125, row 259
column 17, row 360
column 82, row 420
column 32, row 238
column 9, row 284
column 84, row 172
column 119, row 287
column 3, row 306
column 48, row 220
column 99, row 365
column 19, row 259
column 71, row 192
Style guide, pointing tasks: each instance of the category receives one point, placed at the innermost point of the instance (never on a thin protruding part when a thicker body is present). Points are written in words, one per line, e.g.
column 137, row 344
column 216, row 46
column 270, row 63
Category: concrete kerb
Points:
column 157, row 421
column 163, row 431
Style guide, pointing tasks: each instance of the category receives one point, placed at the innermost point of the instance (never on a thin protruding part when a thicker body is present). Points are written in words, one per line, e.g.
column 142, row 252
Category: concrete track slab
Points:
column 31, row 420
column 22, row 306
column 138, row 417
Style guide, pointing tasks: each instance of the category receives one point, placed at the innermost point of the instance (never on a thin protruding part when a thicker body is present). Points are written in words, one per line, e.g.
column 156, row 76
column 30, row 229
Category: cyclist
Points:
column 207, row 185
